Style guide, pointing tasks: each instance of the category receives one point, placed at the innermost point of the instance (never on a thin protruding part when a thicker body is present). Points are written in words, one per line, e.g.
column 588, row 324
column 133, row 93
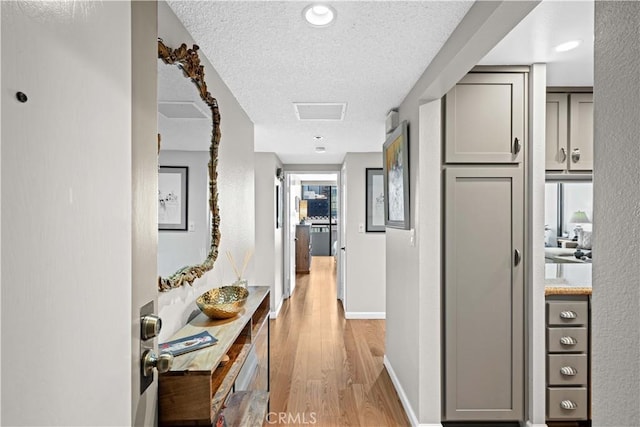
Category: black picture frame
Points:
column 374, row 205
column 279, row 205
column 395, row 151
column 173, row 198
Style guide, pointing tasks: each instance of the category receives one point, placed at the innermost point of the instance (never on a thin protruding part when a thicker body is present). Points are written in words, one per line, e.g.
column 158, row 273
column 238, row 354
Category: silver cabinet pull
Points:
column 568, row 341
column 568, row 315
column 568, row 371
column 517, row 146
column 568, row 405
column 517, row 257
column 575, row 155
column 563, row 151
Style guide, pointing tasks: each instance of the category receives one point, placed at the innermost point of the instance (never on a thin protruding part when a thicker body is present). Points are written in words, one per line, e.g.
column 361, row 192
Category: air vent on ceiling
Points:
column 320, row 110
column 181, row 110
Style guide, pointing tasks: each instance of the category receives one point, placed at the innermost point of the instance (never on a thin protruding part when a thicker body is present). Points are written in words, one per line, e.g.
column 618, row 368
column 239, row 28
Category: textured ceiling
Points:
column 370, row 58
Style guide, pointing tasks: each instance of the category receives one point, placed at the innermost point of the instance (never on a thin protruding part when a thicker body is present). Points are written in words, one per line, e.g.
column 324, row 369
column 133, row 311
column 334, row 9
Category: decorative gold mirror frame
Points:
column 189, row 61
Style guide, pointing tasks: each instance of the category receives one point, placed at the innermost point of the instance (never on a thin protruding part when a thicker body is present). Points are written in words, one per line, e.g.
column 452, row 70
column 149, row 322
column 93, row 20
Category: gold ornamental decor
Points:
column 189, row 62
column 223, row 302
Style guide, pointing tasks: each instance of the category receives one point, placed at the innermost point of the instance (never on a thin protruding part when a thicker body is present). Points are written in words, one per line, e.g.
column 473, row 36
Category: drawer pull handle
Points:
column 568, row 371
column 568, row 405
column 568, row 315
column 568, row 341
column 517, row 146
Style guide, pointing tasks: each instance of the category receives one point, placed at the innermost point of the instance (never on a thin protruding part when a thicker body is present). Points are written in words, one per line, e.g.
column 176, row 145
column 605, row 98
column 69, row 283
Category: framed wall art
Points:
column 395, row 153
column 173, row 197
column 375, row 200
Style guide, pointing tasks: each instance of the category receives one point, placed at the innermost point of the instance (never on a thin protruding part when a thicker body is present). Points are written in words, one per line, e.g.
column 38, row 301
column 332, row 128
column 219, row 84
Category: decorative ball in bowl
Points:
column 224, row 302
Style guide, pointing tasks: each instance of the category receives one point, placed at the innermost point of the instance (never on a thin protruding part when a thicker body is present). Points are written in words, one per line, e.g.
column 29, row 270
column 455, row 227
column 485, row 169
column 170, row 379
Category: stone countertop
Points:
column 567, row 279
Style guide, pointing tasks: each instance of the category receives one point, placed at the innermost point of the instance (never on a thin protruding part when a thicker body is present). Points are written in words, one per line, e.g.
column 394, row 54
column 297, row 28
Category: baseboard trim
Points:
column 413, row 419
column 274, row 314
column 365, row 315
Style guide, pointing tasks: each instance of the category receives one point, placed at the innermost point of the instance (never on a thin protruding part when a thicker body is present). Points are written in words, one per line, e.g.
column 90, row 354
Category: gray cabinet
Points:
column 568, row 360
column 483, row 293
column 569, row 132
column 485, row 119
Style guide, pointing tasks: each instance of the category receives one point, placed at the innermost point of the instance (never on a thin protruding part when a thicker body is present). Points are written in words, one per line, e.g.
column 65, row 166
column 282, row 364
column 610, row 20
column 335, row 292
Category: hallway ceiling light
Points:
column 565, row 47
column 319, row 15
column 318, row 138
column 321, row 150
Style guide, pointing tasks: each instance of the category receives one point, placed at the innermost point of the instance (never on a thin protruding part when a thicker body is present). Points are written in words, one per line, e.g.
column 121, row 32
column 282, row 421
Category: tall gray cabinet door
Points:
column 484, row 301
column 484, row 119
column 581, row 132
column 557, row 131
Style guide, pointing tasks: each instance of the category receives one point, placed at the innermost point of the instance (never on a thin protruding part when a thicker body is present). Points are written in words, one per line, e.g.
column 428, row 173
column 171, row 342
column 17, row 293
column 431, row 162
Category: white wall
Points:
column 616, row 264
column 66, row 213
column 365, row 262
column 269, row 250
column 179, row 248
column 235, row 187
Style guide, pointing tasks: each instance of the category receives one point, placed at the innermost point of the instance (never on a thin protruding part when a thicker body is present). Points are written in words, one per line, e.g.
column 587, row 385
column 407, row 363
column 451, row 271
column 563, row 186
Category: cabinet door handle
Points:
column 568, row 315
column 575, row 155
column 568, row 405
column 517, row 257
column 517, row 146
column 568, row 371
column 563, row 151
column 568, row 341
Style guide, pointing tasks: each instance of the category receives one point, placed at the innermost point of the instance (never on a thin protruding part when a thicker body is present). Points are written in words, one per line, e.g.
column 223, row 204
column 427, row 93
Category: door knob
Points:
column 151, row 360
column 150, row 325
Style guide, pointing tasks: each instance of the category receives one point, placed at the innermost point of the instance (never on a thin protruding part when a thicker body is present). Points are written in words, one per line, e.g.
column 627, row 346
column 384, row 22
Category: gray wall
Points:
column 269, row 257
column 616, row 266
column 235, row 187
column 177, row 249
column 365, row 254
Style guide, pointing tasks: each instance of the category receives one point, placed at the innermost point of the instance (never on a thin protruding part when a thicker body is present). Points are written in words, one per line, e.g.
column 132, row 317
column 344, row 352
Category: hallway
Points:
column 325, row 370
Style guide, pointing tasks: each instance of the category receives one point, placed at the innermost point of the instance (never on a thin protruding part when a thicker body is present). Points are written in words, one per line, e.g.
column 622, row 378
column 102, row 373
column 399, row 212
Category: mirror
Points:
column 189, row 135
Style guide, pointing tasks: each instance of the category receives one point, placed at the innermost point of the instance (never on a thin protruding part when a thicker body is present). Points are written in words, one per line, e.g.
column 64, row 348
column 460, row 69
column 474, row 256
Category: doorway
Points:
column 313, row 205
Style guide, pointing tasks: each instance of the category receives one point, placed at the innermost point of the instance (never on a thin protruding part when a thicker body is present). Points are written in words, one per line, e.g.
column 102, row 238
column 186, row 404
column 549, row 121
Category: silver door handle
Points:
column 563, row 151
column 575, row 155
column 568, row 405
column 517, row 146
column 568, row 315
column 568, row 371
column 517, row 257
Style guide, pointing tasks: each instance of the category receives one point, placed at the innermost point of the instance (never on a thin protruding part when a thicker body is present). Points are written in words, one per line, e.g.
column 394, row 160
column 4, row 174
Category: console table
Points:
column 201, row 385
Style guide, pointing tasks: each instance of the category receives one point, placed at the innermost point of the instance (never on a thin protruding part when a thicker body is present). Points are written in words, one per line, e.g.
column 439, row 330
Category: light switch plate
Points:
column 412, row 237
column 360, row 228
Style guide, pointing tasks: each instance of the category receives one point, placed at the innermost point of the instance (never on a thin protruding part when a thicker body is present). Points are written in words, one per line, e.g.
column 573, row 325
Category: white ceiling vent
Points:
column 181, row 110
column 320, row 111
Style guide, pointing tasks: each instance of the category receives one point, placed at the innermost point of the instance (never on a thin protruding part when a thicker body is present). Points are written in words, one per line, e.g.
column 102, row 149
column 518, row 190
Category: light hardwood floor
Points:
column 325, row 368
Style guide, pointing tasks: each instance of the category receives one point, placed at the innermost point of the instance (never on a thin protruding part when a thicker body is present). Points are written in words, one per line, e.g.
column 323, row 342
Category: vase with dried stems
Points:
column 239, row 280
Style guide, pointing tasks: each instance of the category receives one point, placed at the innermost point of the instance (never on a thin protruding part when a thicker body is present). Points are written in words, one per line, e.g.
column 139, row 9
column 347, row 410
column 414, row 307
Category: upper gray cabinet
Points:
column 569, row 133
column 485, row 119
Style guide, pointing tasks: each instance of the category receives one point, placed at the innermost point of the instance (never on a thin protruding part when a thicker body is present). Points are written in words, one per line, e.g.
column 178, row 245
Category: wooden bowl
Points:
column 223, row 302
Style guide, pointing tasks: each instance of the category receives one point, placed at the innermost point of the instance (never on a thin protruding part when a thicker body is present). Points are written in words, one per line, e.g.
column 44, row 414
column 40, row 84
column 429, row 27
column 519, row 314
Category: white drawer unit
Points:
column 568, row 359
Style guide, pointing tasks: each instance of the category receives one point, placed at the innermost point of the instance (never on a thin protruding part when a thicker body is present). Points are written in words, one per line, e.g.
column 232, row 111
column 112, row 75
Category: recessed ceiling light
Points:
column 321, row 149
column 565, row 47
column 319, row 15
column 318, row 138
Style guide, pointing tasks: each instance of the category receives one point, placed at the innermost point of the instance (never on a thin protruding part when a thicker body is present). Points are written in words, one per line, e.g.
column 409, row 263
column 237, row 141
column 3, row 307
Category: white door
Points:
column 144, row 230
column 289, row 238
column 342, row 254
